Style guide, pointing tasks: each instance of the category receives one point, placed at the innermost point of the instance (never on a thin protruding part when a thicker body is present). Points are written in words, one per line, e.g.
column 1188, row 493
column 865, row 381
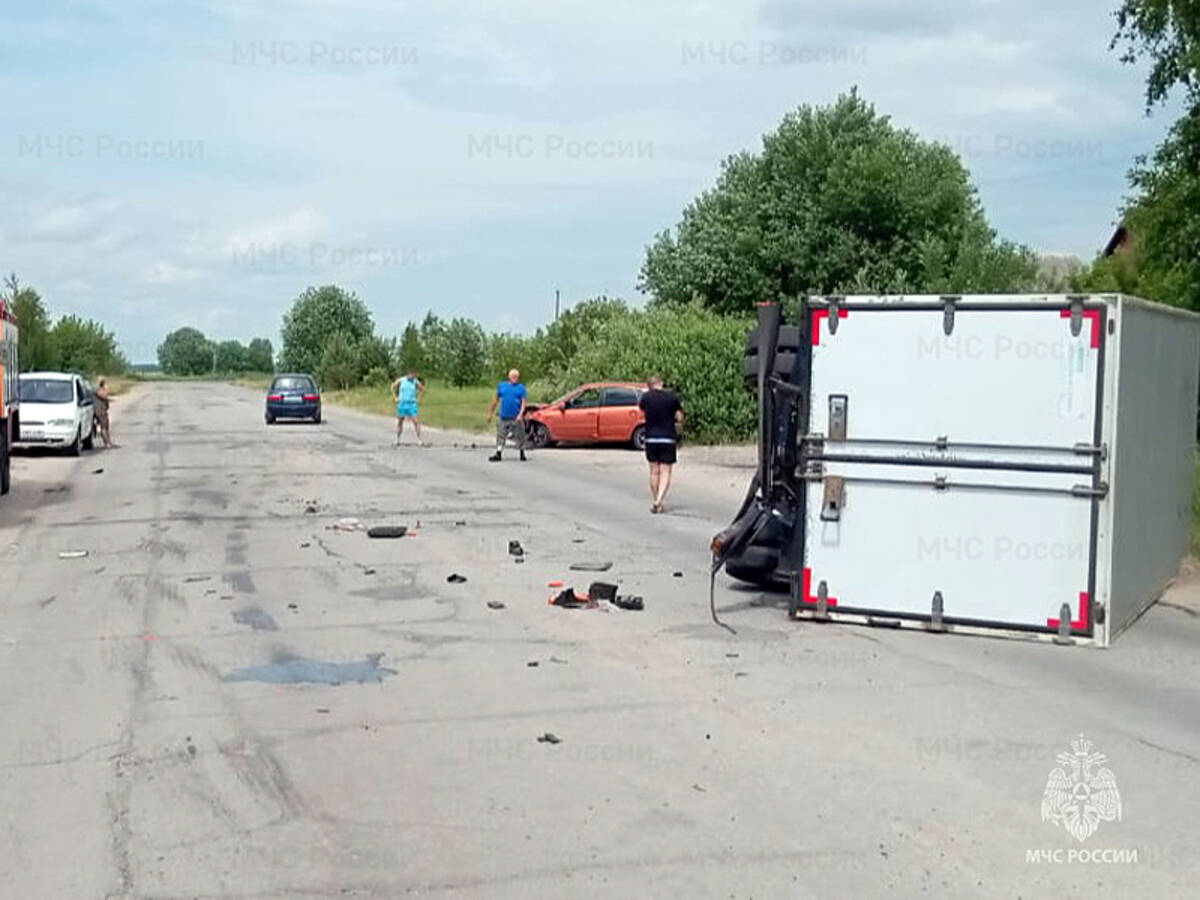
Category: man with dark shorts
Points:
column 664, row 420
column 510, row 398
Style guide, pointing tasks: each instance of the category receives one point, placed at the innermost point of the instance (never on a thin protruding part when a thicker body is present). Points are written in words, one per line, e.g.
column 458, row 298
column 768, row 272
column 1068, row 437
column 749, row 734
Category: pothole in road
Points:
column 290, row 669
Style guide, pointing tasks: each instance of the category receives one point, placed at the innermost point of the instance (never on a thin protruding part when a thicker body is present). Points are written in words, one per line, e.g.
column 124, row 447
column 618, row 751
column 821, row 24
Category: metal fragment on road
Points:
column 591, row 566
column 549, row 738
column 72, row 554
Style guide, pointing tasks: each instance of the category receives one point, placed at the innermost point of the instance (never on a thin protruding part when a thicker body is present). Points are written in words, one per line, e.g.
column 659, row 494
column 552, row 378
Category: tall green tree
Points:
column 838, row 200
column 260, row 356
column 231, row 357
column 186, row 351
column 338, row 368
column 35, row 346
column 1163, row 212
column 316, row 315
column 411, row 355
column 466, row 352
column 434, row 347
column 86, row 346
column 576, row 327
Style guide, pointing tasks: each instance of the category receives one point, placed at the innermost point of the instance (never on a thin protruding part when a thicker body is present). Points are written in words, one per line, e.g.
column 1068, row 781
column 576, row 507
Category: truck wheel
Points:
column 76, row 448
column 5, row 471
column 638, row 440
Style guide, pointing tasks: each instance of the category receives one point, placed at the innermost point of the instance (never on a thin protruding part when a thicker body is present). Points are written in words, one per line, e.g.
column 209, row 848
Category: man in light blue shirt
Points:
column 407, row 391
column 510, row 397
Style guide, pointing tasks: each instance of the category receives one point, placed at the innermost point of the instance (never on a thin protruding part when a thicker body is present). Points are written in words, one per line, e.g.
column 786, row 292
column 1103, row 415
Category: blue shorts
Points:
column 406, row 410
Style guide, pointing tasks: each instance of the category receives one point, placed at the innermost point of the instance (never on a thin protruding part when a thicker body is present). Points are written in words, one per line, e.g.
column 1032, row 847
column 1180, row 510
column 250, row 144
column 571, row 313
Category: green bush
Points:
column 338, row 368
column 698, row 353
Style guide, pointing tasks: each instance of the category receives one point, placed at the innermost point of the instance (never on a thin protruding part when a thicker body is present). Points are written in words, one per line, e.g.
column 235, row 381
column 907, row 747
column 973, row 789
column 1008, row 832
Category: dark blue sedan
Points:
column 293, row 397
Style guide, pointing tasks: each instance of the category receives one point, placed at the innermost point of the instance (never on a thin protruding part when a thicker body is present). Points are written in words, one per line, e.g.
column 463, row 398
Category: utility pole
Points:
column 556, row 304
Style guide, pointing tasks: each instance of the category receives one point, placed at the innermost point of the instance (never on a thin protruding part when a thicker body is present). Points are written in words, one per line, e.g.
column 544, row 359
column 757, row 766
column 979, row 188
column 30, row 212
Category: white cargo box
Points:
column 994, row 463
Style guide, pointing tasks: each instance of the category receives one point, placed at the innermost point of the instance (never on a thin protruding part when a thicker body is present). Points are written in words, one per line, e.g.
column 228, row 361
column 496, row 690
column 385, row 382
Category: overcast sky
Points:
column 201, row 163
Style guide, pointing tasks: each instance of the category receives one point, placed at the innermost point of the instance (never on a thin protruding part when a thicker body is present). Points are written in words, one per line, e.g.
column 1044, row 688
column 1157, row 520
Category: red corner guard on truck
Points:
column 1079, row 624
column 806, row 594
column 819, row 315
column 1094, row 316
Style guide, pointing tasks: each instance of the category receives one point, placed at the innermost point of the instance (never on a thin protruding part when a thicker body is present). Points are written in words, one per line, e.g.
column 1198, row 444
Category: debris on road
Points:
column 97, row 471
column 44, row 603
column 700, row 788
column 305, row 545
column 632, row 602
column 556, row 584
column 578, row 540
column 591, row 566
column 289, row 669
column 677, row 575
column 345, row 525
column 293, row 606
column 257, row 618
column 72, row 554
column 310, row 510
column 387, row 531
column 549, row 738
column 461, row 522
column 323, row 709
column 602, row 590
column 495, row 604
column 367, row 570
column 455, row 578
column 515, row 549
column 568, row 599
column 61, row 489
column 196, row 579
column 532, row 664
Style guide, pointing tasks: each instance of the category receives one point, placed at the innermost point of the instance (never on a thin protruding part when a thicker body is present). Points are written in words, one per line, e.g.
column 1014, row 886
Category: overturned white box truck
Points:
column 1006, row 464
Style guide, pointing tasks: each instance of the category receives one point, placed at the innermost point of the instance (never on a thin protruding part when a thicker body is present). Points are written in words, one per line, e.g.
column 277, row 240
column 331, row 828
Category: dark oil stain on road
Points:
column 290, row 669
column 257, row 618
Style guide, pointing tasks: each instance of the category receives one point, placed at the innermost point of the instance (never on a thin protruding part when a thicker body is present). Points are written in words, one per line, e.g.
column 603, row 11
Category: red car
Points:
column 592, row 414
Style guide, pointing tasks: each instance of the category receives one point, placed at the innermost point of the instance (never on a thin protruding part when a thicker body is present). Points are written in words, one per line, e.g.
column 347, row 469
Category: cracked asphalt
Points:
column 229, row 698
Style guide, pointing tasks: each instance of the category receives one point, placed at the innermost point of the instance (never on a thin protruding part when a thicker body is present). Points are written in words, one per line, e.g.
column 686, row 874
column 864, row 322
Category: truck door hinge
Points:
column 937, row 608
column 948, row 305
column 1086, row 490
column 838, row 411
column 831, row 506
column 1076, row 315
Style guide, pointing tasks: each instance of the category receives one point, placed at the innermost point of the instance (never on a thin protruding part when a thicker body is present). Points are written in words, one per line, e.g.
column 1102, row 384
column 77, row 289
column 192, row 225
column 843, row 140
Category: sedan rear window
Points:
column 46, row 390
column 620, row 397
column 293, row 383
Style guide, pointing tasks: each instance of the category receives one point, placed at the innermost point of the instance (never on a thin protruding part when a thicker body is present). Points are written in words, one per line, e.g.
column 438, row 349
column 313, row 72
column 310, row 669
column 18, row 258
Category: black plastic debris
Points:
column 549, row 738
column 602, row 590
column 632, row 602
column 455, row 578
column 368, row 571
column 97, row 471
column 590, row 566
column 567, row 599
column 677, row 575
column 196, row 579
column 532, row 664
column 461, row 522
column 495, row 604
column 387, row 531
column 515, row 548
column 519, row 559
column 310, row 510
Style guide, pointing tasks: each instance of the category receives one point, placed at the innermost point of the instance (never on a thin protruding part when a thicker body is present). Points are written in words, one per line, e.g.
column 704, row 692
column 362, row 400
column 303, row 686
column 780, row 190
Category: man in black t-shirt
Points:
column 664, row 419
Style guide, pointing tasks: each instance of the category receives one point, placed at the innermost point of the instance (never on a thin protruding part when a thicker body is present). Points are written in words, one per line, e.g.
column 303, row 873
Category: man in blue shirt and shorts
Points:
column 510, row 397
column 407, row 391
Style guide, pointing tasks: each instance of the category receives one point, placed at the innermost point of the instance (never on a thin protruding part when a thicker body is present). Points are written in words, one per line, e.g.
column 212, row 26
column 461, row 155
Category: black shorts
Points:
column 661, row 453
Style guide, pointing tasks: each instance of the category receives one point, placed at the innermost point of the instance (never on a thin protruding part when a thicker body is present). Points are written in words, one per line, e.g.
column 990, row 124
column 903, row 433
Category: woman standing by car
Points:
column 103, row 398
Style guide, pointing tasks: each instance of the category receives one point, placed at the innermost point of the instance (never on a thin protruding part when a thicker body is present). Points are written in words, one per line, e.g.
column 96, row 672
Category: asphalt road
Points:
column 161, row 740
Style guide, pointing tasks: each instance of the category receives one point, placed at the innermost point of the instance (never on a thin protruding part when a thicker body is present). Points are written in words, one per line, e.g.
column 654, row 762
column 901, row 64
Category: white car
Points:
column 56, row 410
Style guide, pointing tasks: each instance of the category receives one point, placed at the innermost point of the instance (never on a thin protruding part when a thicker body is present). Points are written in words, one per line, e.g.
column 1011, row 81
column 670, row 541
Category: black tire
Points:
column 89, row 442
column 76, row 448
column 5, row 470
column 789, row 338
column 270, row 419
column 638, row 439
column 317, row 418
column 539, row 435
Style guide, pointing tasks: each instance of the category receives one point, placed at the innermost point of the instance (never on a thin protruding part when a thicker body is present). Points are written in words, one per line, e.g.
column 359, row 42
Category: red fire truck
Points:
column 9, row 391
